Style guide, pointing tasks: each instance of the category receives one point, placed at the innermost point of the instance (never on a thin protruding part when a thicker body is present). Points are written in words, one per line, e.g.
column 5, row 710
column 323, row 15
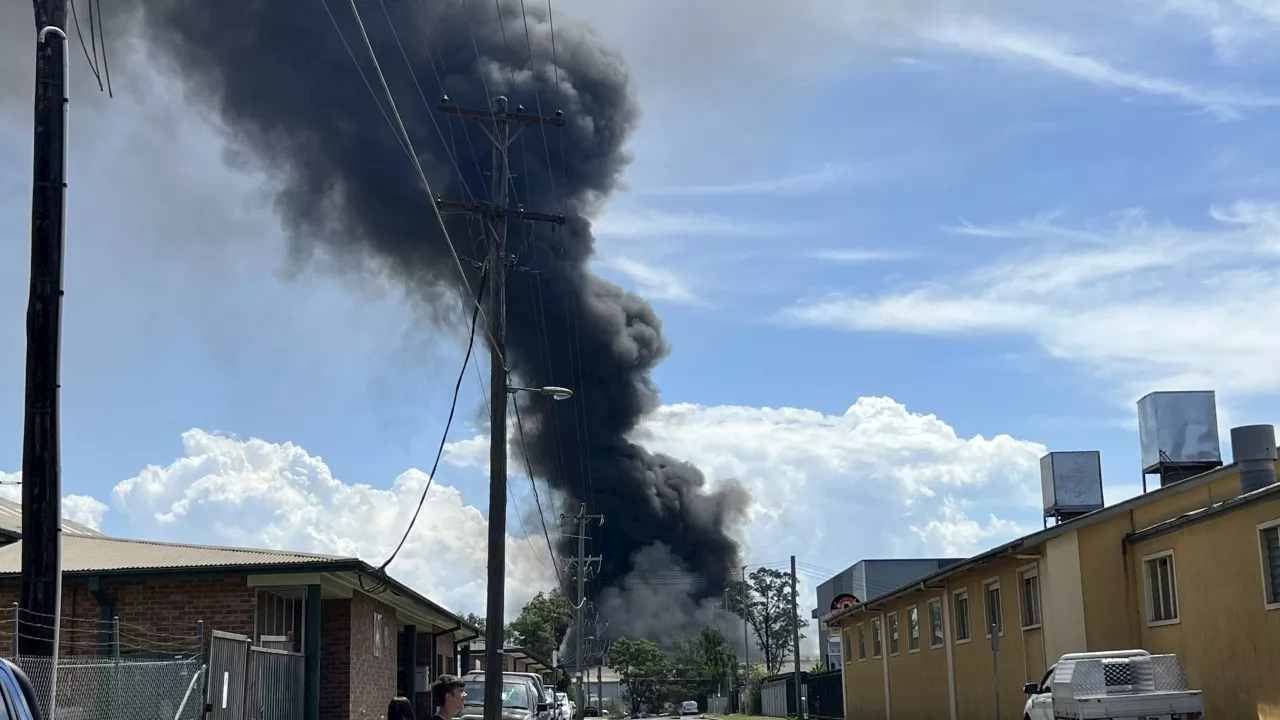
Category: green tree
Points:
column 542, row 624
column 764, row 603
column 643, row 669
column 702, row 664
column 480, row 624
column 818, row 666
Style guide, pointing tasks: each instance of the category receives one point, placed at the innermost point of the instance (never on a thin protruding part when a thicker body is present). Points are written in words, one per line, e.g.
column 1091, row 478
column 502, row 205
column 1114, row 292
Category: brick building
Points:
column 362, row 638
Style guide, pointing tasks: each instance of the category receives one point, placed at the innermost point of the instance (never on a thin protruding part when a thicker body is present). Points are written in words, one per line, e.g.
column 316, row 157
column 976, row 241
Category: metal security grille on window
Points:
column 962, row 618
column 913, row 629
column 893, row 633
column 876, row 646
column 1271, row 555
column 1162, row 590
column 1030, row 600
column 935, row 622
column 993, row 609
column 862, row 644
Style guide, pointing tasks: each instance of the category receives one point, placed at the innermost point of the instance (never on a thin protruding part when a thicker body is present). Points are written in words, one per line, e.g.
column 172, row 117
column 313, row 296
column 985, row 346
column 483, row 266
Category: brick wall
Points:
column 155, row 614
column 373, row 676
column 335, row 659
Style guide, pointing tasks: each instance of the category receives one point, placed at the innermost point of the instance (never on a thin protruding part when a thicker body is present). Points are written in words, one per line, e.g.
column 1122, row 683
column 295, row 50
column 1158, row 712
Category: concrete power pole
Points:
column 746, row 645
column 496, row 216
column 41, row 591
column 795, row 639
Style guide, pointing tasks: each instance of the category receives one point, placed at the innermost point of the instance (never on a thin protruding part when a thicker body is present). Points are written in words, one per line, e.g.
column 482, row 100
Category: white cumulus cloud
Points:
column 257, row 493
column 86, row 510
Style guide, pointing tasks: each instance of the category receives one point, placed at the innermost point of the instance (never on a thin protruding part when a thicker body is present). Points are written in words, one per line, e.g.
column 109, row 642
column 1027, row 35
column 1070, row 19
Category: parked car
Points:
column 521, row 698
column 554, row 711
column 565, row 706
column 689, row 707
column 18, row 693
column 1120, row 684
column 590, row 711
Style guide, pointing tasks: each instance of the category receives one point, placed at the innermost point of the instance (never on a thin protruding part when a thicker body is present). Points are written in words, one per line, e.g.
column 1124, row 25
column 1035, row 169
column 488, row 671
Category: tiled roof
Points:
column 99, row 553
column 11, row 522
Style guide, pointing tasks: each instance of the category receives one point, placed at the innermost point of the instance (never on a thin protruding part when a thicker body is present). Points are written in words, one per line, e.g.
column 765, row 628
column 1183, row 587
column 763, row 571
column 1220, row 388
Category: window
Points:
column 960, row 609
column 846, row 652
column 913, row 629
column 1162, row 588
column 862, row 643
column 991, row 602
column 877, row 640
column 1029, row 596
column 377, row 634
column 893, row 635
column 935, row 623
column 1269, row 535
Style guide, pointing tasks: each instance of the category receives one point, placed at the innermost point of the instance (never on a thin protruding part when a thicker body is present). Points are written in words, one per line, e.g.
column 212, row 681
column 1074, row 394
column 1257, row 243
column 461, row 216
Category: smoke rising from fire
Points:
column 286, row 89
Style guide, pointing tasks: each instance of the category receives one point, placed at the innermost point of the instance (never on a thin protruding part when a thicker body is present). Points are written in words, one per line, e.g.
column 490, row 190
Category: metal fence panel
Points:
column 228, row 670
column 825, row 693
column 275, row 685
column 102, row 688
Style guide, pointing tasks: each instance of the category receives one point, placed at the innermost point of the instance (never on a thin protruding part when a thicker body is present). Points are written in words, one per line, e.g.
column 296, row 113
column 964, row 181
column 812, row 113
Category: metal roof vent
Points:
column 1254, row 450
column 1179, row 435
column 1071, row 484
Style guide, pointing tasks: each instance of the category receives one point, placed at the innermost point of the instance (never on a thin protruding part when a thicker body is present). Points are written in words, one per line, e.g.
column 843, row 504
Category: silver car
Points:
column 521, row 698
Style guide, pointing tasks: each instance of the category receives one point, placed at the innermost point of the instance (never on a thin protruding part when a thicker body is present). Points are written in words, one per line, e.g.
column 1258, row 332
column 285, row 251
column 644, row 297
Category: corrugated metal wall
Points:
column 774, row 697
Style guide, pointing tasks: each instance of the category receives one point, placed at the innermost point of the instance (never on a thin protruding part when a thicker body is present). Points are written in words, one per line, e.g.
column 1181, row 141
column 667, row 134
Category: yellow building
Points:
column 1191, row 567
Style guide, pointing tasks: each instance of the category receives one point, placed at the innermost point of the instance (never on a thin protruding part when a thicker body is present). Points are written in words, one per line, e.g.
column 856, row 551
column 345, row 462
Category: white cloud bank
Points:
column 877, row 480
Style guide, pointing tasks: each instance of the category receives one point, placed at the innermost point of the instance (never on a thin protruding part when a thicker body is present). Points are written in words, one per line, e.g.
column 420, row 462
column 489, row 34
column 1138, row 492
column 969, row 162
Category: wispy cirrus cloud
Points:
column 653, row 281
column 859, row 255
column 984, row 38
column 662, row 223
column 1156, row 304
column 826, row 178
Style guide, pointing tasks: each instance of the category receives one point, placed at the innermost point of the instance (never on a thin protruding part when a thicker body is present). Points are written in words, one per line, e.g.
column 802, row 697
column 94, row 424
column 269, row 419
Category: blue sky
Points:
column 996, row 227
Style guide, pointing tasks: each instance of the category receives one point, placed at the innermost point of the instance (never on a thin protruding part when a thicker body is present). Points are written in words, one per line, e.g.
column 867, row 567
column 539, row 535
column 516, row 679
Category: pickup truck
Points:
column 1118, row 685
column 18, row 693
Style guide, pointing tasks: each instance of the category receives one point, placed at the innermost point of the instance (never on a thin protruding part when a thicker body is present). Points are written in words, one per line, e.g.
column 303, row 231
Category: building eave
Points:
column 1203, row 514
column 1039, row 537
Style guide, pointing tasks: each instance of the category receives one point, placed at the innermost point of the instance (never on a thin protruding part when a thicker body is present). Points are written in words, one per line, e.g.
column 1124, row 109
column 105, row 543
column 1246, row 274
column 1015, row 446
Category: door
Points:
column 1041, row 705
column 228, row 668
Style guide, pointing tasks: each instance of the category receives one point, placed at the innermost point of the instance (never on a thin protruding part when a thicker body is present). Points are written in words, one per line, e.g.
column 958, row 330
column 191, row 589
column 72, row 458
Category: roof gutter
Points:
column 942, row 574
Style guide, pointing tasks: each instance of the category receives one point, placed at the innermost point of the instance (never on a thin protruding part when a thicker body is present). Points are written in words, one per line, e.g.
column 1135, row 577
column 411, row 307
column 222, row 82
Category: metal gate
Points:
column 275, row 686
column 228, row 673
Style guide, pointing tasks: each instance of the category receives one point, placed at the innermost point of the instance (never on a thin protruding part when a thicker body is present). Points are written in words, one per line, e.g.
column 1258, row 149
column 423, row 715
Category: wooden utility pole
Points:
column 795, row 640
column 581, row 564
column 41, row 592
column 496, row 216
column 746, row 645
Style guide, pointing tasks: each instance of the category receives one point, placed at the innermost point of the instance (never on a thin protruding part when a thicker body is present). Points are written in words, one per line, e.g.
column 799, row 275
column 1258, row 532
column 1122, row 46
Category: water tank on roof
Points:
column 1178, row 432
column 1071, row 483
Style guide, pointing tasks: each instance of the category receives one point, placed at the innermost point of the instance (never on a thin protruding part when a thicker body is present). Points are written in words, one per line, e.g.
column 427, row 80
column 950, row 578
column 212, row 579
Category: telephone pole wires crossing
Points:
column 581, row 564
column 496, row 216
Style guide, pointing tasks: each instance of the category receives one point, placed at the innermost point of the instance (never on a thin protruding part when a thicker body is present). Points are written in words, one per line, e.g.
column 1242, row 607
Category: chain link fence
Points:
column 131, row 688
column 110, row 670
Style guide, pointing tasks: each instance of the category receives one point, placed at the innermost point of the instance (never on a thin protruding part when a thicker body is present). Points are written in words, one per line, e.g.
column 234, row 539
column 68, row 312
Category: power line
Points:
column 407, row 144
column 444, row 436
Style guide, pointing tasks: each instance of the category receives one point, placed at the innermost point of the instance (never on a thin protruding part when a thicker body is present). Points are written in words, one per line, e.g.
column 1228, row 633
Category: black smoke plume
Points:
column 288, row 92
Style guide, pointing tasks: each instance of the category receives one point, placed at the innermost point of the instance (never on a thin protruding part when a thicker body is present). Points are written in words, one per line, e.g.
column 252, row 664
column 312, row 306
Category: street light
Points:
column 552, row 391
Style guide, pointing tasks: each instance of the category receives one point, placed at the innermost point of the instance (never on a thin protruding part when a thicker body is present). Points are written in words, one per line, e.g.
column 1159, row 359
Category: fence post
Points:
column 115, row 638
column 17, row 629
column 200, row 638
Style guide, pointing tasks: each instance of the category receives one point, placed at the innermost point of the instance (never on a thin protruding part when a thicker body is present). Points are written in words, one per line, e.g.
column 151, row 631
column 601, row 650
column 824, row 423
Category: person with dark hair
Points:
column 447, row 696
column 400, row 709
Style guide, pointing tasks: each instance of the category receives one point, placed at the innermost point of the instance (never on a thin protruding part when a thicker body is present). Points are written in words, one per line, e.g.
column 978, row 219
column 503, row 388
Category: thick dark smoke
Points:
column 280, row 80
